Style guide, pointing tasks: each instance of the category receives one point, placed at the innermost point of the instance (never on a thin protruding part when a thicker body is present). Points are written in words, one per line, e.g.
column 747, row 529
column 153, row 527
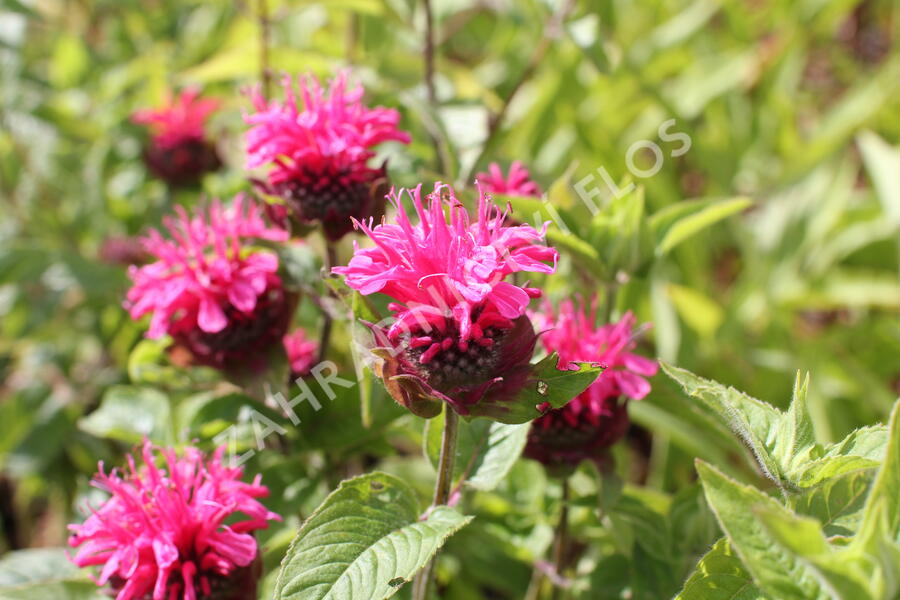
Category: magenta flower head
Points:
column 517, row 183
column 460, row 333
column 596, row 418
column 211, row 289
column 179, row 152
column 175, row 532
column 301, row 352
column 319, row 153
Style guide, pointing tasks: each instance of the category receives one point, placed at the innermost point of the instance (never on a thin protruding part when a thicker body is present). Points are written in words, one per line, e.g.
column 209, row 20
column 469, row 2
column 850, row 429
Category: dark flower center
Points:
column 246, row 336
column 331, row 197
column 454, row 367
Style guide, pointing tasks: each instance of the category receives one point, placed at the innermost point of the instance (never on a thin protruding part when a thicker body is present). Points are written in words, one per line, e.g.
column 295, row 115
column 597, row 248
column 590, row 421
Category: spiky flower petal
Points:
column 210, row 288
column 174, row 532
column 596, row 418
column 459, row 327
column 318, row 153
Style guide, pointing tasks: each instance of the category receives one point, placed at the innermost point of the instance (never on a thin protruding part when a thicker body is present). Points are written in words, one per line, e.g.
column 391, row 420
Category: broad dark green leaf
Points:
column 365, row 541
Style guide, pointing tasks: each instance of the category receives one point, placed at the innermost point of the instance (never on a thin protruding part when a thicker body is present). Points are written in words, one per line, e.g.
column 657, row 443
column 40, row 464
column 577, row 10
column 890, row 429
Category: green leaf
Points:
column 886, row 488
column 837, row 501
column 793, row 440
column 720, row 575
column 486, row 450
column 544, row 384
column 363, row 542
column 44, row 574
column 838, row 572
column 298, row 265
column 750, row 419
column 775, row 570
column 682, row 221
column 131, row 413
column 883, row 163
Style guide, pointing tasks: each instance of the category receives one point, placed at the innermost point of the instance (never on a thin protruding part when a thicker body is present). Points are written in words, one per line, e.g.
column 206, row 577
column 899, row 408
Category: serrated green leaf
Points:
column 131, row 413
column 750, row 419
column 837, row 501
column 775, row 570
column 363, row 542
column 720, row 575
column 840, row 578
column 486, row 450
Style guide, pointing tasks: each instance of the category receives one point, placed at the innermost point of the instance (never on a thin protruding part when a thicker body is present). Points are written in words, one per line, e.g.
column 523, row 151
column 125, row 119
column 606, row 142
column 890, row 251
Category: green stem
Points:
column 327, row 321
column 561, row 542
column 441, row 492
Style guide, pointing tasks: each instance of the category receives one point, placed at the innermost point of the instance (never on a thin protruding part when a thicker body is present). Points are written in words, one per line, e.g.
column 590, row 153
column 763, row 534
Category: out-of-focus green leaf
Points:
column 45, row 574
column 883, row 163
column 129, row 414
column 680, row 222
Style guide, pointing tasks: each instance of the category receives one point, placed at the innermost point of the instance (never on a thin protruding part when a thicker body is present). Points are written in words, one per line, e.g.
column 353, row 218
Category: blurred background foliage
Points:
column 792, row 105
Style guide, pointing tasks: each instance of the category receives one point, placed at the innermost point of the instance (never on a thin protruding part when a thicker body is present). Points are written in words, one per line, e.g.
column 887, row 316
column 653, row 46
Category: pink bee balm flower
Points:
column 460, row 327
column 171, row 533
column 517, row 183
column 179, row 152
column 209, row 289
column 319, row 153
column 301, row 352
column 596, row 418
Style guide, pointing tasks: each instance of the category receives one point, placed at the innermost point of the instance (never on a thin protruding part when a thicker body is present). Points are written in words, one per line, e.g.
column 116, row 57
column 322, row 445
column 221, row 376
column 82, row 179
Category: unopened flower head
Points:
column 460, row 330
column 318, row 148
column 209, row 288
column 596, row 418
column 517, row 183
column 180, row 531
column 179, row 152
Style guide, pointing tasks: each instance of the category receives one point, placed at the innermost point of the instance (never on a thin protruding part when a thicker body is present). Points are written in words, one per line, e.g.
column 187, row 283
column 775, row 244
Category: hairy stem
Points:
column 441, row 492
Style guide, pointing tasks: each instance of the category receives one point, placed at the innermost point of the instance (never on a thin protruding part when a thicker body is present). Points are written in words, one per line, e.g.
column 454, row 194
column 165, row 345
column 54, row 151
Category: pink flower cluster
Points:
column 170, row 533
column 452, row 271
column 205, row 270
column 301, row 352
column 573, row 333
column 517, row 183
column 333, row 132
column 596, row 418
column 183, row 119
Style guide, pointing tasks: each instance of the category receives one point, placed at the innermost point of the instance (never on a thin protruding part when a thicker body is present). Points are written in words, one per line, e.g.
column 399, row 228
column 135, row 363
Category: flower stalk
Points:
column 560, row 542
column 442, row 487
